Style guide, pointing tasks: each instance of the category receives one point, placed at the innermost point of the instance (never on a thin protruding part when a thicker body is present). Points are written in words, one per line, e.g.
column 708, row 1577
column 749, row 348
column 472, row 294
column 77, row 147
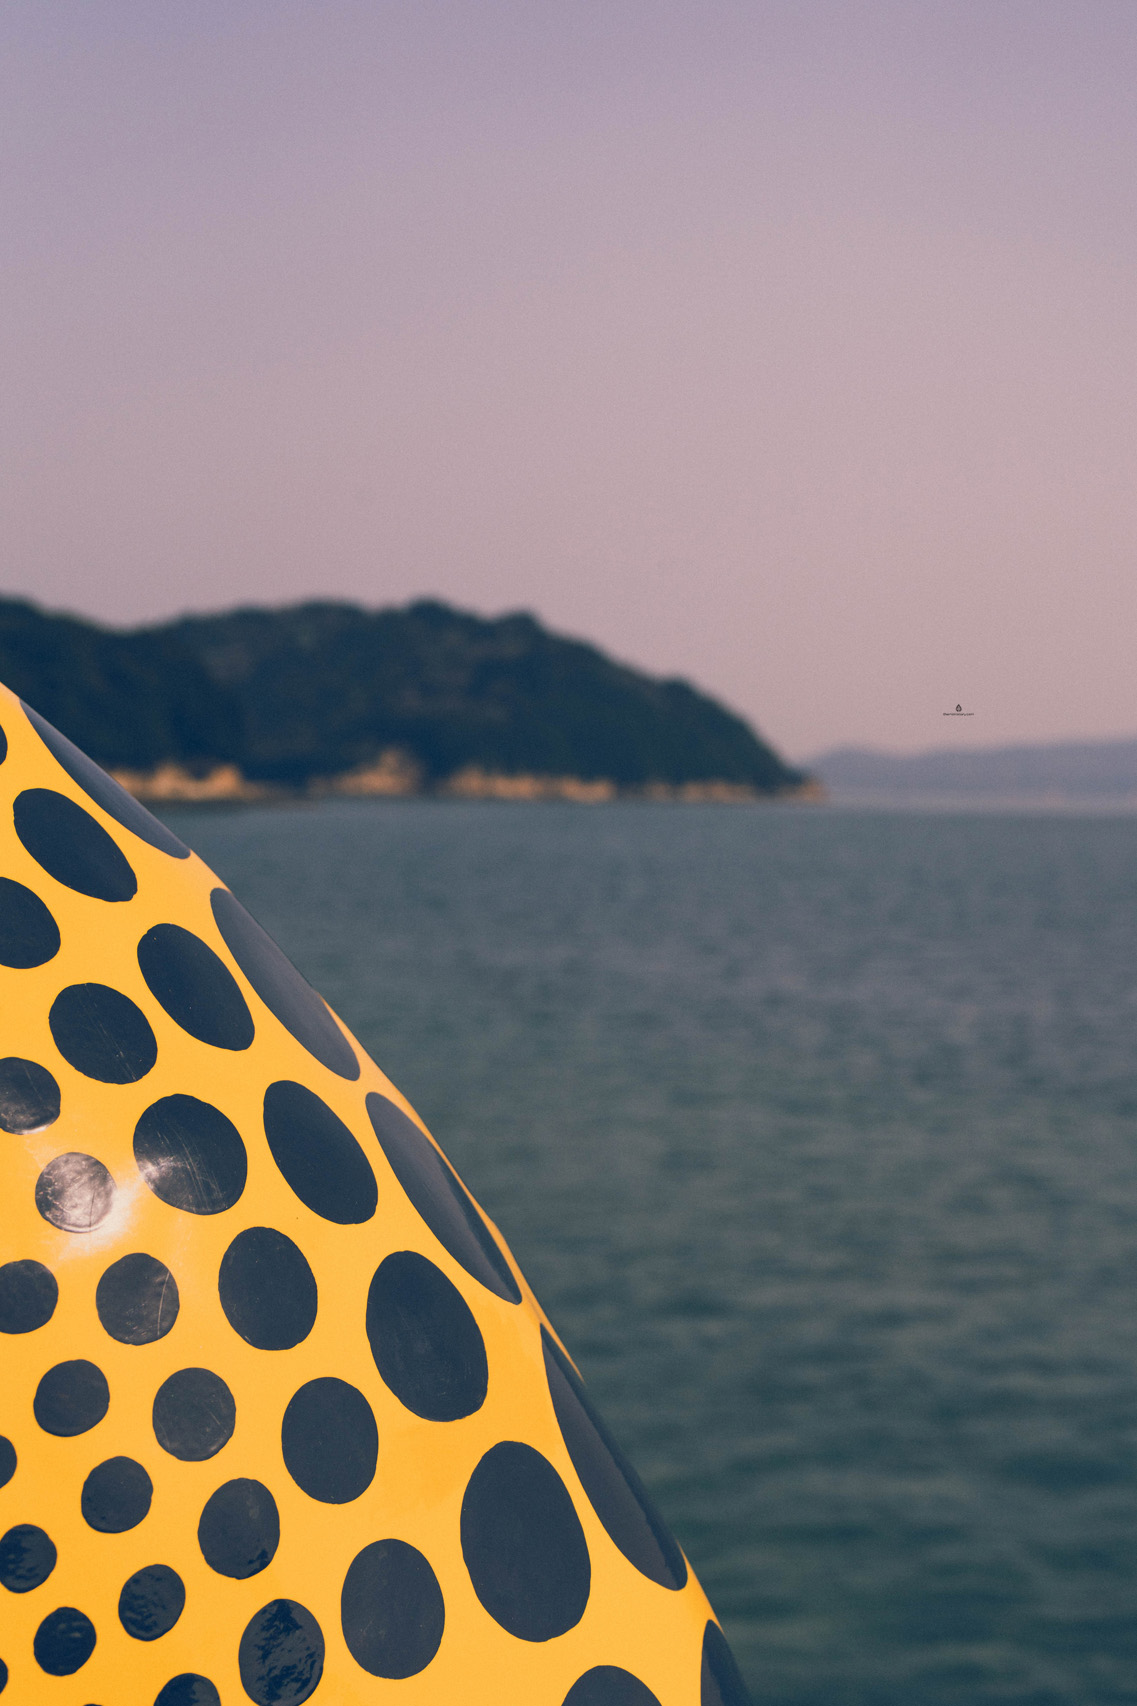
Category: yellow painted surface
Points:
column 423, row 1466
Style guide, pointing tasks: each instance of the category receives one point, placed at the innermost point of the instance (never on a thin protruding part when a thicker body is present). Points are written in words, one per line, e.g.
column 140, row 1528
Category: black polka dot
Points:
column 425, row 1341
column 239, row 1530
column 28, row 1295
column 318, row 1155
column 198, row 990
column 137, row 1300
column 194, row 1415
column 116, row 1495
column 75, row 1192
column 71, row 847
column 102, row 1034
column 27, row 1558
column 391, row 1609
column 3, row 1676
column 71, row 1398
column 287, row 995
column 29, row 935
column 29, row 1096
column 523, row 1544
column 615, row 1491
column 267, row 1290
column 330, row 1441
column 720, row 1682
column 104, row 790
column 440, row 1197
column 151, row 1602
column 281, row 1655
column 189, row 1689
column 7, row 1460
column 191, row 1156
column 608, row 1685
column 64, row 1642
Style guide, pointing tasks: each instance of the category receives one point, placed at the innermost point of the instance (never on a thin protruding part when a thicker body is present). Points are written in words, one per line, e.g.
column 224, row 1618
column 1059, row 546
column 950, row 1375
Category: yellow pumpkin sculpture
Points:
column 279, row 1416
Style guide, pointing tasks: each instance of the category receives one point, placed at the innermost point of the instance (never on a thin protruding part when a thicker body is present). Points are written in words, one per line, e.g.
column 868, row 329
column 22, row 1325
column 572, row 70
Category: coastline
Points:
column 394, row 775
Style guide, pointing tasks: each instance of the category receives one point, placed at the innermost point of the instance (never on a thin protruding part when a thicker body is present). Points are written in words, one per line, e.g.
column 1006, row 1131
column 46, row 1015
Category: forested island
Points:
column 328, row 697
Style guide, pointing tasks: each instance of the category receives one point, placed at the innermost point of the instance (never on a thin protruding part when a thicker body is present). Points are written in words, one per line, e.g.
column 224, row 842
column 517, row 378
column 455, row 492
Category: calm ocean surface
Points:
column 816, row 1133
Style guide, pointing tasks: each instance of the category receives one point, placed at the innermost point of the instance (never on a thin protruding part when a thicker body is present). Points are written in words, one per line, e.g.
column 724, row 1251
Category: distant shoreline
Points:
column 1059, row 774
column 394, row 776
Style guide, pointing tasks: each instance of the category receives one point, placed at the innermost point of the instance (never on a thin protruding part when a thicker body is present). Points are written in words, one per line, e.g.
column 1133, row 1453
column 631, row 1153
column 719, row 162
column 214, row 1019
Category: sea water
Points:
column 816, row 1133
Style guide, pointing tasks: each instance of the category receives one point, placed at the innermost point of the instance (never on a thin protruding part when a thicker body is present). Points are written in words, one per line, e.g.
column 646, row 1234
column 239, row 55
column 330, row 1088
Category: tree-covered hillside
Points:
column 315, row 690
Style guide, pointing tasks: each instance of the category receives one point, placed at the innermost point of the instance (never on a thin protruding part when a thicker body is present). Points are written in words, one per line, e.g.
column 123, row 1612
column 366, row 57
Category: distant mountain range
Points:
column 332, row 697
column 1069, row 770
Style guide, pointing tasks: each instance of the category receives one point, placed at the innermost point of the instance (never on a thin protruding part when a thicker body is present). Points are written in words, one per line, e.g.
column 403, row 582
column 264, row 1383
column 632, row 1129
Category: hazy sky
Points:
column 788, row 345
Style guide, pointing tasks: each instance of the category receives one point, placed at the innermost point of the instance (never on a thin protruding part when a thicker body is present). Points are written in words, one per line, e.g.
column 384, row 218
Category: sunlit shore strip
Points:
column 395, row 776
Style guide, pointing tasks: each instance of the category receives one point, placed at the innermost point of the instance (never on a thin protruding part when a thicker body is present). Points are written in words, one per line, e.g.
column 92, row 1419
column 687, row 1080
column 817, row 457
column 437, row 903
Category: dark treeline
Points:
column 314, row 690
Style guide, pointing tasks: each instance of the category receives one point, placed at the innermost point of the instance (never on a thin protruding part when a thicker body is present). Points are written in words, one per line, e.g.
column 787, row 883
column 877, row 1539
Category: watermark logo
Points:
column 959, row 712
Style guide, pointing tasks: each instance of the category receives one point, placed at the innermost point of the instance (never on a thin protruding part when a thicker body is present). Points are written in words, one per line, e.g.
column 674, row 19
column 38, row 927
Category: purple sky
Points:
column 788, row 346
